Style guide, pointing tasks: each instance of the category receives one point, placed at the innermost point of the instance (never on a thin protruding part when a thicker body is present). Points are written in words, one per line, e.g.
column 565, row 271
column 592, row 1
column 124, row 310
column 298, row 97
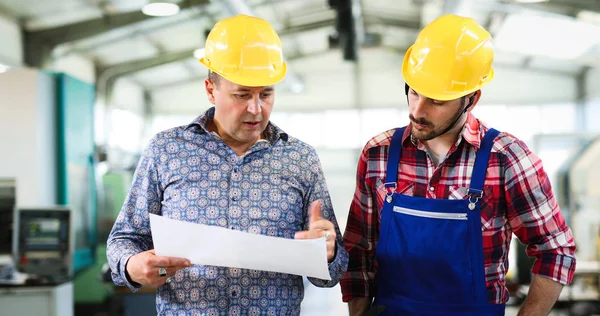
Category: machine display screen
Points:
column 43, row 233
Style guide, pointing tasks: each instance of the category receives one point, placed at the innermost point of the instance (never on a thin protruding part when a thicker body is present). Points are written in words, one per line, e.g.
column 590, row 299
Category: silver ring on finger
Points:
column 162, row 272
column 327, row 234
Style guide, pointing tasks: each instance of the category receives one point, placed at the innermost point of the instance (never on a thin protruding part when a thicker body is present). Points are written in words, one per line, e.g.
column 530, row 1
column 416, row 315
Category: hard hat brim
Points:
column 250, row 81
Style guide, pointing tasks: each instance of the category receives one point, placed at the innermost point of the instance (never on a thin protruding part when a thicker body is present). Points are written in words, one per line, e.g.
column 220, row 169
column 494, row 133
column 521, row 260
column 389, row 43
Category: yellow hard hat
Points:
column 245, row 50
column 451, row 58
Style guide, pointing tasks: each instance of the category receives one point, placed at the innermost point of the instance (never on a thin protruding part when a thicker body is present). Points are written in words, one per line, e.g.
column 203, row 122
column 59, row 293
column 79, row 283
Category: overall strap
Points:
column 391, row 175
column 481, row 163
column 475, row 194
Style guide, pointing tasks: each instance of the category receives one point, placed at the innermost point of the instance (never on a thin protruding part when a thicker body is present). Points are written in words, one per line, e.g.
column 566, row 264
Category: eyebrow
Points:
column 266, row 89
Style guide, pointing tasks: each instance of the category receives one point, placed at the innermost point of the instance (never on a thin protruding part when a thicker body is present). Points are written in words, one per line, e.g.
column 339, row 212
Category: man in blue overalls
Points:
column 437, row 202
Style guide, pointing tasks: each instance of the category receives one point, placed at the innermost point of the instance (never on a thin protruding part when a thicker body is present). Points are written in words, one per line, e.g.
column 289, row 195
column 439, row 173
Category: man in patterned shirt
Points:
column 231, row 167
column 437, row 202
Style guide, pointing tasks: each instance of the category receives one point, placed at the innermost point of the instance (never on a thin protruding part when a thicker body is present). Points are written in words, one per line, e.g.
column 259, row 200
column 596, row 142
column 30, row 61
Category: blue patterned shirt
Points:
column 190, row 174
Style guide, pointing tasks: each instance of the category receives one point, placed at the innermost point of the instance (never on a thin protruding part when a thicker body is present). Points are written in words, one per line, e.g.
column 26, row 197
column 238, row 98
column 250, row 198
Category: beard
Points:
column 429, row 130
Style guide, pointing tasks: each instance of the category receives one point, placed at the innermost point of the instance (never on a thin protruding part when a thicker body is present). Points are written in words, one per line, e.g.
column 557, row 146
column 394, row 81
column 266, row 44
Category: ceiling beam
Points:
column 589, row 5
column 142, row 32
column 371, row 19
column 294, row 29
column 38, row 45
column 108, row 75
column 129, row 67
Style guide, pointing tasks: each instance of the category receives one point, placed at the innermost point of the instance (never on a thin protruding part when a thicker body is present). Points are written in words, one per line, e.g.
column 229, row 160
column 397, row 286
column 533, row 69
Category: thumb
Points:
column 314, row 212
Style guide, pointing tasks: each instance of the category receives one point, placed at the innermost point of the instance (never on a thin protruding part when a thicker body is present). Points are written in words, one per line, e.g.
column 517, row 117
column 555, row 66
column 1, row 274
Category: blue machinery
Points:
column 76, row 184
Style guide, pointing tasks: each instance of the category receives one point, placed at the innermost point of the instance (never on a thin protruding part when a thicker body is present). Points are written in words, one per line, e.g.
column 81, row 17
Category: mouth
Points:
column 252, row 124
column 419, row 126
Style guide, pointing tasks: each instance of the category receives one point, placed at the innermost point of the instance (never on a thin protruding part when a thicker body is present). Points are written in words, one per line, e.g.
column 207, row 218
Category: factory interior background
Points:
column 85, row 84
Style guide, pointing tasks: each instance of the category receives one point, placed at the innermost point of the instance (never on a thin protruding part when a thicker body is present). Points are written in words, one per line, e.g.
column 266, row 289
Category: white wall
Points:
column 125, row 122
column 592, row 82
column 11, row 52
column 129, row 96
column 187, row 99
column 28, row 129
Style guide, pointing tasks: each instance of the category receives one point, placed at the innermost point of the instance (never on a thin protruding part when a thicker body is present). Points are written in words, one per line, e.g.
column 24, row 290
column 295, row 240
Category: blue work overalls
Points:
column 430, row 251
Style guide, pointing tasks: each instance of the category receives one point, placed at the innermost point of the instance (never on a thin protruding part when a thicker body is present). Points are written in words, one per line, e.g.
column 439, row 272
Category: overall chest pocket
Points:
column 488, row 216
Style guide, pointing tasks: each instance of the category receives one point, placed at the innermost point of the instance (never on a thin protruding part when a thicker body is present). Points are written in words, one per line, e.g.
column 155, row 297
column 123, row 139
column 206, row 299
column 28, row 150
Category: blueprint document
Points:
column 217, row 246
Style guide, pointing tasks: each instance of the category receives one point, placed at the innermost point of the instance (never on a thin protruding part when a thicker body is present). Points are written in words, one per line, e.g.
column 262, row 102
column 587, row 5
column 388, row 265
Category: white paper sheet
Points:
column 217, row 246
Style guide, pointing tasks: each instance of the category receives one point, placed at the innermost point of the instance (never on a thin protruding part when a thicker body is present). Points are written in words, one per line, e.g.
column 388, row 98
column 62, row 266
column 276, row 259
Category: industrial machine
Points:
column 44, row 243
column 36, row 257
column 7, row 203
column 42, row 255
column 577, row 188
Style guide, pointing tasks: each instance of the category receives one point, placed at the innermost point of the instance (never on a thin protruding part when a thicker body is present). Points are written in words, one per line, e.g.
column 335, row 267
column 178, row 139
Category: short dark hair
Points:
column 214, row 77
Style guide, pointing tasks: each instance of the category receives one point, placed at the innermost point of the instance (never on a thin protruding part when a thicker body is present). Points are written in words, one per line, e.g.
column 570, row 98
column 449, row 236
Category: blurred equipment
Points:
column 7, row 204
column 578, row 192
column 346, row 29
column 45, row 243
column 43, row 247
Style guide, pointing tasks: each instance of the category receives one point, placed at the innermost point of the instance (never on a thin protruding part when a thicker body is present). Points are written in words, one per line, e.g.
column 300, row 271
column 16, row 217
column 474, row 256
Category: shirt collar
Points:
column 272, row 132
column 471, row 133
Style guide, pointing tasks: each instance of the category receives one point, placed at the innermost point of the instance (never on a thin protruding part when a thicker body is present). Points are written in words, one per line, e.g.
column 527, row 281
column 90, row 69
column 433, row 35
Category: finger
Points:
column 166, row 262
column 314, row 212
column 171, row 271
column 307, row 234
column 321, row 225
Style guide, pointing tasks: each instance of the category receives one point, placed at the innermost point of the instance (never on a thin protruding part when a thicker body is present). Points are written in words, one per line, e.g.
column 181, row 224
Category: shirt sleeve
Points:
column 535, row 217
column 130, row 234
column 319, row 191
column 360, row 237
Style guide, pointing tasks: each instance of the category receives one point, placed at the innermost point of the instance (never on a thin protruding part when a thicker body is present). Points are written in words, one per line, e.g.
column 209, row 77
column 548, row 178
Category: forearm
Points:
column 360, row 305
column 118, row 251
column 542, row 295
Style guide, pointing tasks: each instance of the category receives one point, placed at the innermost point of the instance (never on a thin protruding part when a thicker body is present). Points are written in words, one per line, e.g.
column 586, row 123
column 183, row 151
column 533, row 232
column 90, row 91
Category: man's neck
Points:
column 240, row 148
column 442, row 144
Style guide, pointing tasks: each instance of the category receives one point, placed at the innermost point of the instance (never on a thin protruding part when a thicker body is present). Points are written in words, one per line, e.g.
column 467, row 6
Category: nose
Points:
column 419, row 106
column 254, row 106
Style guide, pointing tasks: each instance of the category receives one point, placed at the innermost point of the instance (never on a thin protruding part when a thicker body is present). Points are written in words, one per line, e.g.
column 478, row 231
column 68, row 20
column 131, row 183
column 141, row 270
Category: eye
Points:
column 265, row 95
column 241, row 96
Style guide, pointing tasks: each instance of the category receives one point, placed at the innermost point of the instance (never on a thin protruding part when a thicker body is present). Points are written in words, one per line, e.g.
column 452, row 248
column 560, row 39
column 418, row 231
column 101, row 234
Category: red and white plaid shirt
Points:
column 517, row 199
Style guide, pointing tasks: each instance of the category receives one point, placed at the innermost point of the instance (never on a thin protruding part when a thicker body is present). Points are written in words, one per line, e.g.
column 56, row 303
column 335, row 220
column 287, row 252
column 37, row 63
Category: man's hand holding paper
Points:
column 319, row 227
column 211, row 245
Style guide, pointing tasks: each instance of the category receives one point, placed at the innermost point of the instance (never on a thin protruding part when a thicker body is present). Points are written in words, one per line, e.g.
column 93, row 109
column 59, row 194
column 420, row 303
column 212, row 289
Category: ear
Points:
column 475, row 96
column 210, row 90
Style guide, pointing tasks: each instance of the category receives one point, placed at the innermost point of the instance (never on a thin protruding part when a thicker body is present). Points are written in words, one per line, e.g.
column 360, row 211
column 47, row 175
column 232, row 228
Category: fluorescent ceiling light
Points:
column 160, row 8
column 555, row 37
column 4, row 68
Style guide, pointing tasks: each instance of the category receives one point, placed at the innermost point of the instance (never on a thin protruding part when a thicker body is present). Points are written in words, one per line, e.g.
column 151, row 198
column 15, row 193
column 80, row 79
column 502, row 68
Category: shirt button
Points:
column 234, row 293
column 431, row 189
